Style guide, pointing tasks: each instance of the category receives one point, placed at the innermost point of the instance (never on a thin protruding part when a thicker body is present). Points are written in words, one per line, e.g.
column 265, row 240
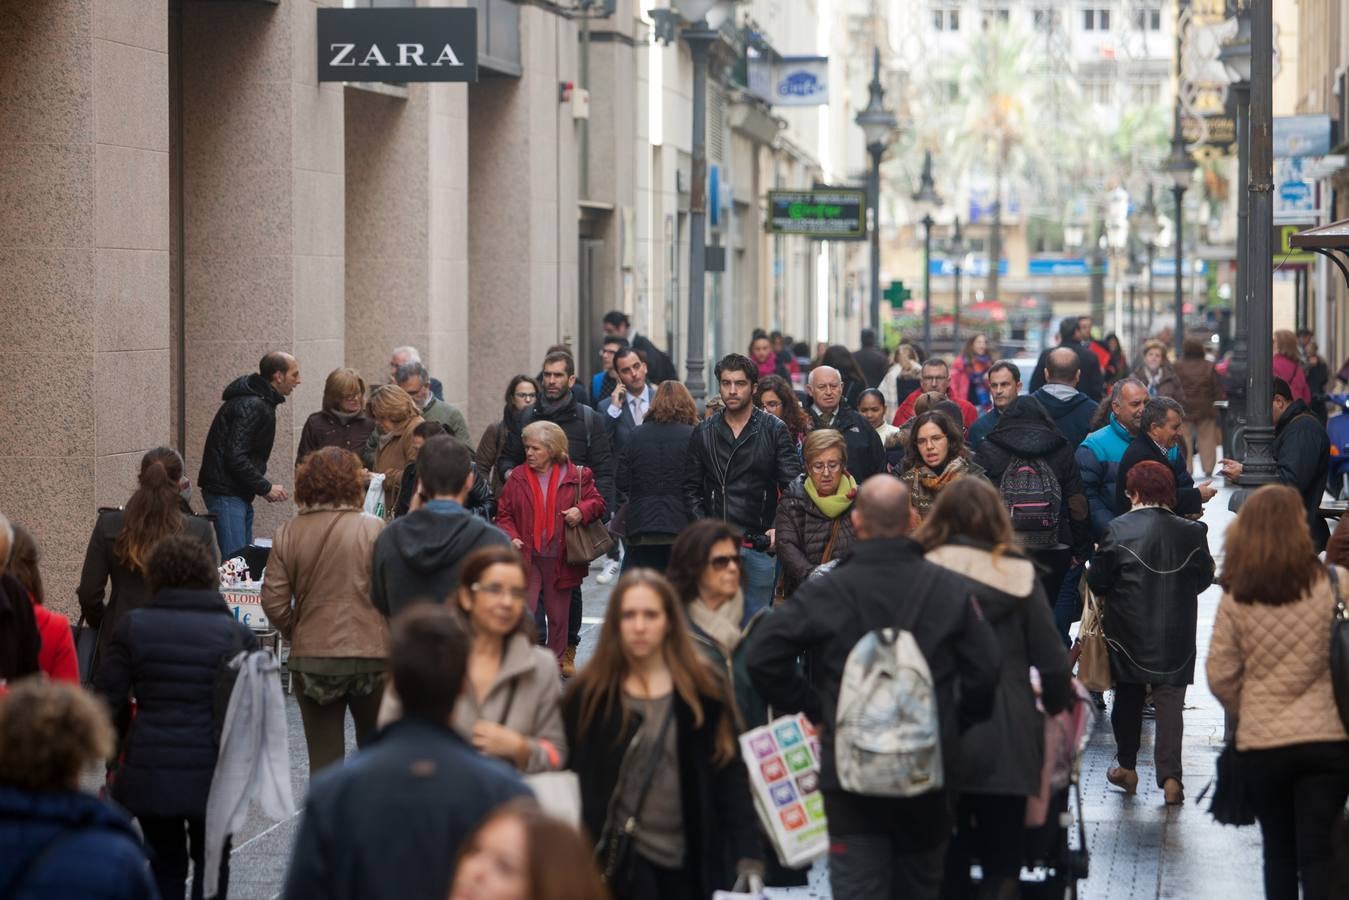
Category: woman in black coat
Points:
column 1149, row 570
column 648, row 702
column 1001, row 758
column 650, row 475
column 123, row 538
column 171, row 656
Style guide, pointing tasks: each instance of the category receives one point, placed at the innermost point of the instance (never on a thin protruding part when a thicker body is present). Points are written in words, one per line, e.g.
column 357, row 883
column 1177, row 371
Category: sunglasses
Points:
column 719, row 563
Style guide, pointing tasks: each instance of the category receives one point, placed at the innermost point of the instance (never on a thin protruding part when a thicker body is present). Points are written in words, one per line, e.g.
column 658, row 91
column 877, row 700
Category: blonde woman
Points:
column 342, row 421
column 396, row 417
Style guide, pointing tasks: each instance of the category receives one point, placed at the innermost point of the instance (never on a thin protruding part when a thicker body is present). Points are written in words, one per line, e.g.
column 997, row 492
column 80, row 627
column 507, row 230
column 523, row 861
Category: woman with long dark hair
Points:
column 1269, row 665
column 1000, row 760
column 521, row 393
column 934, row 459
column 56, row 657
column 654, row 743
column 123, row 538
column 774, row 395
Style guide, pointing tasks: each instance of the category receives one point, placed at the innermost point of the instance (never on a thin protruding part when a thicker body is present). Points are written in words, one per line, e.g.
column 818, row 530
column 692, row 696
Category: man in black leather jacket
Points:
column 234, row 460
column 737, row 463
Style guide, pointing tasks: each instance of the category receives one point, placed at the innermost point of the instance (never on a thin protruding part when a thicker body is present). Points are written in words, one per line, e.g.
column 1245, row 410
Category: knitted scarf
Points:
column 722, row 625
column 837, row 503
column 545, row 509
column 934, row 482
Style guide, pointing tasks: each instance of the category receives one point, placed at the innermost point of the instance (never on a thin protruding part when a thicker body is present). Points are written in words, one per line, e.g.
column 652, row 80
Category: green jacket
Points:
column 751, row 710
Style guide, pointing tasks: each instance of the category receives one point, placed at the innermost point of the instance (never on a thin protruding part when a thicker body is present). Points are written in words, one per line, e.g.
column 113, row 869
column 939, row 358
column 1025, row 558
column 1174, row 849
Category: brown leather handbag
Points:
column 588, row 541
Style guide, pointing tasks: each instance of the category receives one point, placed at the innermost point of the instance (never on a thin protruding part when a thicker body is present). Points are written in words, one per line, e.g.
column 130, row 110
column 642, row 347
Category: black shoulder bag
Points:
column 617, row 850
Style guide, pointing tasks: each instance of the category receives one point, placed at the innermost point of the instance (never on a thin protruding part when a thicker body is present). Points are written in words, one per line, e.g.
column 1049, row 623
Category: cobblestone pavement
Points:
column 1139, row 847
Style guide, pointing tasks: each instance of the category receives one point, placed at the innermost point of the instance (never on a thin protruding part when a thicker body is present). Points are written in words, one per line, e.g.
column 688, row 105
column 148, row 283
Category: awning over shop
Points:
column 1331, row 241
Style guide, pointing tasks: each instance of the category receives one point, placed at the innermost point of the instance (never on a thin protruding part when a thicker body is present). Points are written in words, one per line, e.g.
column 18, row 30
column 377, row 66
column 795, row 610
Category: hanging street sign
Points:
column 837, row 214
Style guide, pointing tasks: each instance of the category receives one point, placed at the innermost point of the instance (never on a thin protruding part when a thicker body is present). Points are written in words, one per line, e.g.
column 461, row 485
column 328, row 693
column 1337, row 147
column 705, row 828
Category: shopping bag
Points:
column 1093, row 665
column 558, row 793
column 374, row 495
column 783, row 758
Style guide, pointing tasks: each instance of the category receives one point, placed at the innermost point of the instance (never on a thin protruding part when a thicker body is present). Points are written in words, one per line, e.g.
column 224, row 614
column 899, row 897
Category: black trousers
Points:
column 655, row 882
column 1126, row 719
column 1298, row 795
column 169, row 841
column 990, row 828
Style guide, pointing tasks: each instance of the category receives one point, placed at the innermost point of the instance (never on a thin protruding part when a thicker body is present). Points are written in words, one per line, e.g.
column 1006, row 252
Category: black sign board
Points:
column 404, row 44
column 837, row 214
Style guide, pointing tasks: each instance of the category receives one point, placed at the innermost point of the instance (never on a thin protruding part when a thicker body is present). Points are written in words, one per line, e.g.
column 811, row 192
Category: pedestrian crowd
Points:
column 908, row 582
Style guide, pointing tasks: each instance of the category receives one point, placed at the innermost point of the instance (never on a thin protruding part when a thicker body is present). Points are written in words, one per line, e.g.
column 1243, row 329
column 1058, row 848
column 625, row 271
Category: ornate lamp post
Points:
column 927, row 202
column 1236, row 58
column 877, row 124
column 957, row 251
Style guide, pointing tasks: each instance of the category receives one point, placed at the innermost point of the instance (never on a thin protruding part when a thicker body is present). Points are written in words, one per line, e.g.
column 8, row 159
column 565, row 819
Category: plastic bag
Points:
column 374, row 495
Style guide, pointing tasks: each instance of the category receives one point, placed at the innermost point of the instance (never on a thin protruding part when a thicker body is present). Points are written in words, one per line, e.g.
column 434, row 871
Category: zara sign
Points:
column 404, row 44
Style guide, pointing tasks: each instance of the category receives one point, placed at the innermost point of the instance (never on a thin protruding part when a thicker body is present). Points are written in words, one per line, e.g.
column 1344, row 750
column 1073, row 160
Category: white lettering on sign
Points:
column 342, row 54
column 408, row 55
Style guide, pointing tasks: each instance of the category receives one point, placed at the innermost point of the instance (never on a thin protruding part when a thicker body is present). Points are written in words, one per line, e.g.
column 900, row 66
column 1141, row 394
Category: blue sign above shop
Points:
column 978, row 267
column 1061, row 268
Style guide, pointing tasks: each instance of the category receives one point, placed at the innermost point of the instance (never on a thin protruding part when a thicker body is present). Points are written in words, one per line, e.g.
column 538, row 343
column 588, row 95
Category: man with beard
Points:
column 587, row 445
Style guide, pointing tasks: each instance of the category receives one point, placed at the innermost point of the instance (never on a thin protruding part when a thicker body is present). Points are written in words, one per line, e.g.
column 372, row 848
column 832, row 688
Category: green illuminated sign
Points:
column 824, row 213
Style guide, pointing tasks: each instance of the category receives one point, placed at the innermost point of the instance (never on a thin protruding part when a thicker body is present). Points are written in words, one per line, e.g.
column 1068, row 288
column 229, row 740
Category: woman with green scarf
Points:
column 813, row 525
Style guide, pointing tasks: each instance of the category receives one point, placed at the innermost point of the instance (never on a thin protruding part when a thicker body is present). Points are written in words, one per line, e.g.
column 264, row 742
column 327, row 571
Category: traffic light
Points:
column 896, row 294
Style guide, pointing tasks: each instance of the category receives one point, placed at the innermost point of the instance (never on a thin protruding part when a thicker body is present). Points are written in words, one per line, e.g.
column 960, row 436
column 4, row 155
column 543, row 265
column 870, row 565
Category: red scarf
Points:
column 545, row 509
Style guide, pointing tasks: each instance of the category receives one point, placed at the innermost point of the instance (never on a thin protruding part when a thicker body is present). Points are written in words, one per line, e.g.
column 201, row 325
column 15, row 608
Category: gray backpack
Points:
column 887, row 732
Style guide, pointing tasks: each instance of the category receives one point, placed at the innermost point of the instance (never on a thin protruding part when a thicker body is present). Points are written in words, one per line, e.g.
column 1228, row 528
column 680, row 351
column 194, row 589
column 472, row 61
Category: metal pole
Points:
column 1098, row 280
column 1178, row 192
column 927, row 283
column 1133, row 313
column 1259, row 466
column 874, row 196
column 1238, row 411
column 699, row 38
column 1152, row 298
column 955, row 327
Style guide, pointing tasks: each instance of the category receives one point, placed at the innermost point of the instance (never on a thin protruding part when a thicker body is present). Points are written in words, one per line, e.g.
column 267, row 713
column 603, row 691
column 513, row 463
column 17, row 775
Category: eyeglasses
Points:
column 525, row 395
column 772, row 404
column 819, row 468
column 500, row 590
column 719, row 563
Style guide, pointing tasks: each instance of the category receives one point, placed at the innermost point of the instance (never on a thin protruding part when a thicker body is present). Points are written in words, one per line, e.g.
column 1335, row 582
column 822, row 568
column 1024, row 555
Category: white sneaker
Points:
column 609, row 574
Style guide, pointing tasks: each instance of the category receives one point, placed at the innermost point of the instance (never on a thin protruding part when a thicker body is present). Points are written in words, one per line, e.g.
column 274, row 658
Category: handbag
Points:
column 1093, row 663
column 588, row 541
column 1229, row 805
column 558, row 793
column 85, row 637
column 617, row 849
column 1339, row 649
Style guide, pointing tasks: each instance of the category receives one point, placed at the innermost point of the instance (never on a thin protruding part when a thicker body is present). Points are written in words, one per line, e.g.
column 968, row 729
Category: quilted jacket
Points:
column 234, row 460
column 803, row 533
column 1271, row 666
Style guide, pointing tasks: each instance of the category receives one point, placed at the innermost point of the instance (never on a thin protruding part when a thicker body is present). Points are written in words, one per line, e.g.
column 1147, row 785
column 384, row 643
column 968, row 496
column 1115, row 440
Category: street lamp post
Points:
column 1236, row 57
column 927, row 201
column 1098, row 276
column 877, row 124
column 1146, row 225
column 700, row 37
column 1259, row 466
column 1180, row 166
column 957, row 252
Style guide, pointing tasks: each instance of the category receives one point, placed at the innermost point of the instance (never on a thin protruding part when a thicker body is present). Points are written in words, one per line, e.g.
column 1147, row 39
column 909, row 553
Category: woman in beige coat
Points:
column 1269, row 665
column 396, row 418
column 339, row 642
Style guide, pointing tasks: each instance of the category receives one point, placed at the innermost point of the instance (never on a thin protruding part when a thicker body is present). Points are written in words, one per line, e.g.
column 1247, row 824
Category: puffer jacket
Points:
column 803, row 531
column 328, row 572
column 1026, row 431
column 1270, row 665
column 1200, row 388
column 1098, row 460
column 1004, row 754
column 1150, row 568
column 169, row 655
column 234, row 460
column 739, row 479
column 99, row 855
column 649, row 476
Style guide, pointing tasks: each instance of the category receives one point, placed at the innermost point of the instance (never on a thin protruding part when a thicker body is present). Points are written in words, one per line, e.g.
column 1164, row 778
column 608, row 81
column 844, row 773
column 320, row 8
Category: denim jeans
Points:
column 1068, row 603
column 761, row 571
column 233, row 521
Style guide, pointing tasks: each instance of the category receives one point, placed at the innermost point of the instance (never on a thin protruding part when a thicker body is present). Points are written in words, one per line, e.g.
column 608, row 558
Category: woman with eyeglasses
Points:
column 706, row 573
column 342, row 421
column 653, row 743
column 774, row 395
column 509, row 706
column 520, row 395
column 813, row 525
column 935, row 458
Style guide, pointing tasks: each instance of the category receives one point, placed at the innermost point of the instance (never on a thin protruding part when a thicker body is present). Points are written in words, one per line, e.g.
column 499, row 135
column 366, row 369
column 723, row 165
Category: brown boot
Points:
column 569, row 664
column 1175, row 795
column 1123, row 778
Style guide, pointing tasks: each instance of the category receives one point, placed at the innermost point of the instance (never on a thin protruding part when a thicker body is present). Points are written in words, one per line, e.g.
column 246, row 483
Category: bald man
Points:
column 828, row 409
column 1071, row 410
column 874, row 838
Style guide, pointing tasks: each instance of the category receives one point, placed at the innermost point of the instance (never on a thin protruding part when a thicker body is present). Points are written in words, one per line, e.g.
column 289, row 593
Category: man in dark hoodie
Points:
column 234, row 460
column 1070, row 409
column 418, row 556
column 1026, row 432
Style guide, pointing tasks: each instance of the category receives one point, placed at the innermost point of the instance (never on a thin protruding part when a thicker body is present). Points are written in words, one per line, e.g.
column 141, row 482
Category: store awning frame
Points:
column 1331, row 241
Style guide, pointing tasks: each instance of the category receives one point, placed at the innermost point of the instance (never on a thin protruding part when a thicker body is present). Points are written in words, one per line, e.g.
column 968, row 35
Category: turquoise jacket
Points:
column 1098, row 459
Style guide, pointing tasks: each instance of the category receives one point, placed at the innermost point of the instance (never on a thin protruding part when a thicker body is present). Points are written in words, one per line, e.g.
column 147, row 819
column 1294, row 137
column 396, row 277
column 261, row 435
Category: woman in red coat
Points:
column 56, row 657
column 538, row 501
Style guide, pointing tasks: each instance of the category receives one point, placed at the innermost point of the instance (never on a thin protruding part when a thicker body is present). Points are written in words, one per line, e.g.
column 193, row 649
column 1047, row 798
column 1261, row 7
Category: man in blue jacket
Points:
column 390, row 821
column 1071, row 410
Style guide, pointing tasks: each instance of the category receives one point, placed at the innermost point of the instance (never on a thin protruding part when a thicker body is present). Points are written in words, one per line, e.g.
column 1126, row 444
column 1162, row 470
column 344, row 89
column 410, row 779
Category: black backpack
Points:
column 1034, row 500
